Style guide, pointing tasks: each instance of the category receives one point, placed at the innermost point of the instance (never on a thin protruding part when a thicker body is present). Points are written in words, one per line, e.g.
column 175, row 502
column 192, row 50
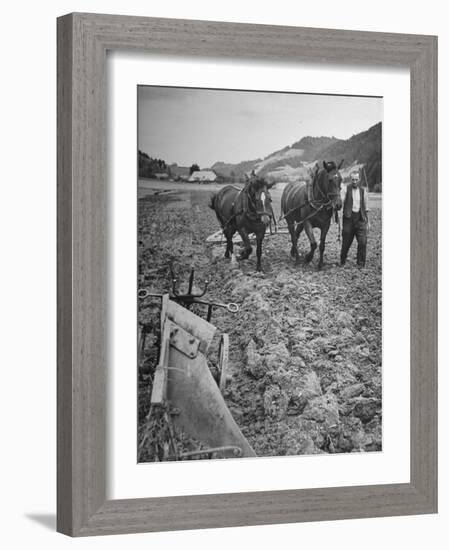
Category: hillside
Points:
column 313, row 146
column 293, row 161
column 364, row 148
column 305, row 150
column 148, row 166
column 238, row 170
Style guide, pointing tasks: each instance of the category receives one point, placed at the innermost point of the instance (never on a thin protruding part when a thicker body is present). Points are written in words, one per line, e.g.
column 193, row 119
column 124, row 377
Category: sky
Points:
column 203, row 126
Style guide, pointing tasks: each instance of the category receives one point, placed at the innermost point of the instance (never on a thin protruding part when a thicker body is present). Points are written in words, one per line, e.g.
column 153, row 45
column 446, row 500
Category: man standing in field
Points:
column 355, row 219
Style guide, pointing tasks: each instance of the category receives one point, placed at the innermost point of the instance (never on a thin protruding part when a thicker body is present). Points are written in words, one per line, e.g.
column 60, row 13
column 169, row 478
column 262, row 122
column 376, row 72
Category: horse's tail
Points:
column 212, row 200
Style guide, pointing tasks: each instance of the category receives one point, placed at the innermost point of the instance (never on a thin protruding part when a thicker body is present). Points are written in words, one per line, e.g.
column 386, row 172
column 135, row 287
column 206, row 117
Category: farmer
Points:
column 355, row 219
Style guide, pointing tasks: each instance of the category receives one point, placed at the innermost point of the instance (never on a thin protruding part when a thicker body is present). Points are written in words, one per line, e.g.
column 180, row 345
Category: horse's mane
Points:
column 331, row 165
column 254, row 183
column 321, row 177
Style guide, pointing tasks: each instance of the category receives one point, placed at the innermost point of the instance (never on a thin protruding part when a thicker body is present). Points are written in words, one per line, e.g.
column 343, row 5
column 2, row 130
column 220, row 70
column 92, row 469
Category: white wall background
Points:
column 27, row 272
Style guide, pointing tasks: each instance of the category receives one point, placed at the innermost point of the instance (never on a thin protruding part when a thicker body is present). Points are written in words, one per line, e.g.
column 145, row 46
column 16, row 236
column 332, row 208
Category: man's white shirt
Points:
column 355, row 197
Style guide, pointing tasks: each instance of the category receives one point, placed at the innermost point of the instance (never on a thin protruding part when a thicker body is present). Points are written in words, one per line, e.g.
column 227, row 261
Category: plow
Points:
column 185, row 395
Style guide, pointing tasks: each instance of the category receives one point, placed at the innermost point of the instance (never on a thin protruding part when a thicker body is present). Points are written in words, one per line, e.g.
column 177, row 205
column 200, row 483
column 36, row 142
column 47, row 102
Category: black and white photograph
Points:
column 220, row 328
column 259, row 296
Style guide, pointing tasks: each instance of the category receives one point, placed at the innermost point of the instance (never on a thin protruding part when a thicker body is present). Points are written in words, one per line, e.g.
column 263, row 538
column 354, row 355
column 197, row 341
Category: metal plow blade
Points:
column 184, row 380
column 203, row 413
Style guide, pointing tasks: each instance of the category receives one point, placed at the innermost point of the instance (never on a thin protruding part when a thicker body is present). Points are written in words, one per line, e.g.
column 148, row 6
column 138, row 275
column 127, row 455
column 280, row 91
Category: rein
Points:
column 256, row 213
column 307, row 217
column 250, row 215
column 317, row 205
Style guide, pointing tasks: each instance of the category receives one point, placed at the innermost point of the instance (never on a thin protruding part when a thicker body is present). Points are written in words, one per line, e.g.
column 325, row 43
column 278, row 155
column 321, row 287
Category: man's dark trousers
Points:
column 354, row 227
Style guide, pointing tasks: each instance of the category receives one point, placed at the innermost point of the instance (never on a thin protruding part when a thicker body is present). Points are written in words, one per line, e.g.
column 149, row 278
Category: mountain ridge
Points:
column 293, row 161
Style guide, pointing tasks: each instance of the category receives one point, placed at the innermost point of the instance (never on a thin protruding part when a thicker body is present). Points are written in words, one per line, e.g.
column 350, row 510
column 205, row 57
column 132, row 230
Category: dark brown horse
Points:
column 306, row 207
column 246, row 210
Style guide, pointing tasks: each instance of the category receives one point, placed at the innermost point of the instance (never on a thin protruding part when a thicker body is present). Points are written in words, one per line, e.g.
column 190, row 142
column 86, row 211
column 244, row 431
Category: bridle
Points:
column 252, row 215
column 325, row 203
column 254, row 212
column 325, row 200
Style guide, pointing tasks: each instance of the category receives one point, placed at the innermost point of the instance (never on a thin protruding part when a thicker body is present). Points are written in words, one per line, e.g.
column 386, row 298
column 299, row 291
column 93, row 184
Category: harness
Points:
column 252, row 215
column 317, row 205
column 256, row 213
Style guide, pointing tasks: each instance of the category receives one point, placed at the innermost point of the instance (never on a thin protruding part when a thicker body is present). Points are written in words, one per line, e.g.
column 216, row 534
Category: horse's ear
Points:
column 325, row 164
column 341, row 164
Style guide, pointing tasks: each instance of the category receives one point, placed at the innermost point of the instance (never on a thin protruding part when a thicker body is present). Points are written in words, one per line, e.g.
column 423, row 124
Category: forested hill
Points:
column 362, row 151
column 293, row 162
column 364, row 148
column 148, row 166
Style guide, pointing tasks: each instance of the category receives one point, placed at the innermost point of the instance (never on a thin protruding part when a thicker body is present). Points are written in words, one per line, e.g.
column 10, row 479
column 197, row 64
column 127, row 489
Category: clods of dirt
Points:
column 305, row 371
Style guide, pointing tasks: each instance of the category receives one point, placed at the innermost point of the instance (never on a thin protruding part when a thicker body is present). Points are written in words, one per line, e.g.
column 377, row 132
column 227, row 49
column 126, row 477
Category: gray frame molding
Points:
column 83, row 40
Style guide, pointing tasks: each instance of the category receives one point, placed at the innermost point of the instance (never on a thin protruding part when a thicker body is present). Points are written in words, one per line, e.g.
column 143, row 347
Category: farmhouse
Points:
column 204, row 176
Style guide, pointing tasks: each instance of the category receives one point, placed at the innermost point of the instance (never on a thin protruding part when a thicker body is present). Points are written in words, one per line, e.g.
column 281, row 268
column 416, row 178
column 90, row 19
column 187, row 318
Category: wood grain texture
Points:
column 423, row 272
column 64, row 277
column 83, row 40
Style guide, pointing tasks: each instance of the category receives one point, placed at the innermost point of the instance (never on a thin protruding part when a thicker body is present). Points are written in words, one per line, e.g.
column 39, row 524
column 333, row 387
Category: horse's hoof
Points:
column 245, row 255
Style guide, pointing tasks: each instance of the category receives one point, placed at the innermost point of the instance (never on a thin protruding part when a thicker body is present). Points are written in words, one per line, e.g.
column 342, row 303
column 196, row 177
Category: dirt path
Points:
column 305, row 357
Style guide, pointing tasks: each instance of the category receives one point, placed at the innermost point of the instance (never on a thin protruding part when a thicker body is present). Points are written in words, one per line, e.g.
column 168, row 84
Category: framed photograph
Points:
column 247, row 274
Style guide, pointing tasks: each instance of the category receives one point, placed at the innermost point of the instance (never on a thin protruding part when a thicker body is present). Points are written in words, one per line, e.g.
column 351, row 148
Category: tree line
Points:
column 149, row 166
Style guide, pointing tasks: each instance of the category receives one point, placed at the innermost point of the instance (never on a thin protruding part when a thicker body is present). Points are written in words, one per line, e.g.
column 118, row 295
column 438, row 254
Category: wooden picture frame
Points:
column 83, row 40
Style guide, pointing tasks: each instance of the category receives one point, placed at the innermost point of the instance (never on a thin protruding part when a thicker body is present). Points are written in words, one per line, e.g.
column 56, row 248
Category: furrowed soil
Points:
column 305, row 345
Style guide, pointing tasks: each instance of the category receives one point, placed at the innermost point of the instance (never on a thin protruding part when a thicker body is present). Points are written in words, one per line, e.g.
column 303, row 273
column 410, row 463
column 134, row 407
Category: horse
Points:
column 246, row 210
column 310, row 207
